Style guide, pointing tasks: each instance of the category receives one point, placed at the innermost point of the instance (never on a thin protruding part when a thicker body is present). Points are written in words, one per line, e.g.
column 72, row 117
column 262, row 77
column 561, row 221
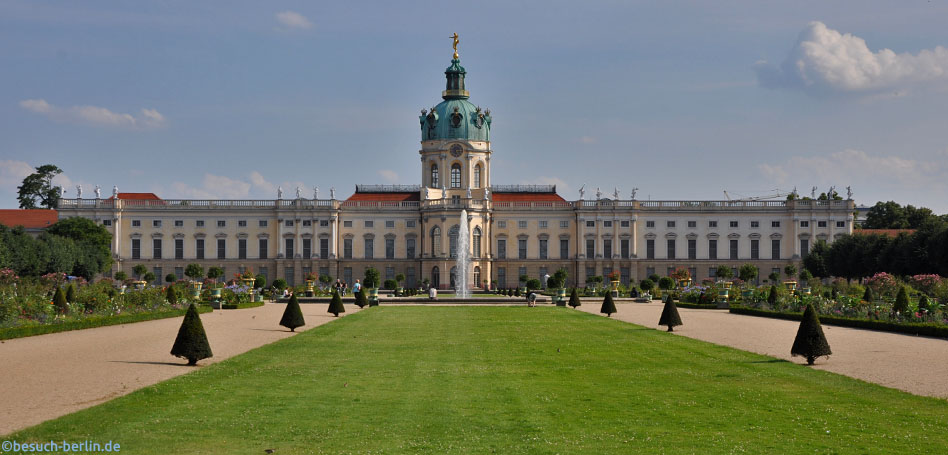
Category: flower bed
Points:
column 932, row 329
column 31, row 306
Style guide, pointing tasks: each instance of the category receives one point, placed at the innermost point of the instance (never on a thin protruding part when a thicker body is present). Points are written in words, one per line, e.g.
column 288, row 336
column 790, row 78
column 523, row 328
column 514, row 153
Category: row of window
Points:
column 733, row 250
column 456, row 176
column 263, row 223
column 736, row 224
column 543, row 245
column 542, row 224
column 242, row 253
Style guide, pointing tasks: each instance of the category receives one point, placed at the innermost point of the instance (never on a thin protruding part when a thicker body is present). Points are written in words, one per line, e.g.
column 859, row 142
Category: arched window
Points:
column 453, row 234
column 477, row 276
column 476, row 242
column 435, row 277
column 455, row 175
column 477, row 176
column 434, row 176
column 436, row 241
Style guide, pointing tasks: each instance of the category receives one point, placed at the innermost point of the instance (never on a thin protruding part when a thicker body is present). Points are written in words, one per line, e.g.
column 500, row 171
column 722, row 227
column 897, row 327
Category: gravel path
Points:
column 48, row 376
column 914, row 364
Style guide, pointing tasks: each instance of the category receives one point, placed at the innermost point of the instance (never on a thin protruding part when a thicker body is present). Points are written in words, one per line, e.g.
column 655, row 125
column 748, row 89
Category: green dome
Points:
column 455, row 117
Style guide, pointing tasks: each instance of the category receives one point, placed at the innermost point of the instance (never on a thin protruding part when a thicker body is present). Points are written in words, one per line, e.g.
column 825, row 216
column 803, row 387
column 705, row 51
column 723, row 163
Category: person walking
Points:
column 356, row 287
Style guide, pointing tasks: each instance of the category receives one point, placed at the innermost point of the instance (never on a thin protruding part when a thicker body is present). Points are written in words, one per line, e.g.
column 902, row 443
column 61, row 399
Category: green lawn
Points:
column 505, row 380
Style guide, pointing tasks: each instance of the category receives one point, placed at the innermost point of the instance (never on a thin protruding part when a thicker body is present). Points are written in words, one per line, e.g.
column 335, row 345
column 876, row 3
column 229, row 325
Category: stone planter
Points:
column 248, row 282
column 683, row 283
column 725, row 292
column 196, row 289
column 561, row 297
column 139, row 285
column 373, row 297
column 791, row 285
column 216, row 293
column 309, row 288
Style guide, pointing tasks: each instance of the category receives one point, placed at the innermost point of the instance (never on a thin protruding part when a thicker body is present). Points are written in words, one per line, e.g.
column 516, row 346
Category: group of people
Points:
column 343, row 288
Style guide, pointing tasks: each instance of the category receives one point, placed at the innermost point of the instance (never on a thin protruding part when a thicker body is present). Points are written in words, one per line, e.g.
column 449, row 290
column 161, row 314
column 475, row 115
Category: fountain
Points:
column 463, row 258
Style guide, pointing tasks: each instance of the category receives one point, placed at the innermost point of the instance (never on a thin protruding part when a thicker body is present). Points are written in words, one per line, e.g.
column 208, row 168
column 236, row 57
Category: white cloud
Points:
column 825, row 61
column 876, row 177
column 389, row 175
column 587, row 140
column 261, row 184
column 293, row 20
column 212, row 187
column 95, row 115
column 12, row 173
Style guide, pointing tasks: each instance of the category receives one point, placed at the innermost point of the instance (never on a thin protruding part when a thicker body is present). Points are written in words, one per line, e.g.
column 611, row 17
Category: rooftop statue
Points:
column 456, row 41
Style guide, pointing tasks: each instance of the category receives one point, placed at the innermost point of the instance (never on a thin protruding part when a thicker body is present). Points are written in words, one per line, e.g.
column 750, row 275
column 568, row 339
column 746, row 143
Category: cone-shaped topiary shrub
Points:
column 335, row 305
column 191, row 342
column 59, row 299
column 867, row 296
column 670, row 315
column 772, row 298
column 834, row 294
column 574, row 298
column 923, row 302
column 292, row 315
column 360, row 299
column 71, row 293
column 171, row 296
column 810, row 342
column 517, row 293
column 608, row 306
column 901, row 302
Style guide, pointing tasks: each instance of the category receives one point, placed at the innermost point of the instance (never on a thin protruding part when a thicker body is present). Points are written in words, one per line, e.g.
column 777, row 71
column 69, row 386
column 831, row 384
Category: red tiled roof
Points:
column 888, row 232
column 527, row 197
column 30, row 219
column 138, row 196
column 407, row 196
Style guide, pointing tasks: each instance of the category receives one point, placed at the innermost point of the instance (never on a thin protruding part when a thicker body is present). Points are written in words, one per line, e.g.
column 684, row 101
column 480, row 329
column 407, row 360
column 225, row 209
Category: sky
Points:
column 682, row 100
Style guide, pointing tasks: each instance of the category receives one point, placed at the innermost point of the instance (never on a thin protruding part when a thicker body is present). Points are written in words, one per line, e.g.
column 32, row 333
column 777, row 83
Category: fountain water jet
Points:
column 463, row 258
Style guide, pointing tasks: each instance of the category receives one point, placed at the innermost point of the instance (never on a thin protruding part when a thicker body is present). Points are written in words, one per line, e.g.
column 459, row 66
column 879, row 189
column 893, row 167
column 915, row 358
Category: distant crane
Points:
column 775, row 194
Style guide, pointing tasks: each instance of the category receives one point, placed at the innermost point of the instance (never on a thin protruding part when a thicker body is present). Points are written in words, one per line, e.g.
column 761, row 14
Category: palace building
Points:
column 413, row 230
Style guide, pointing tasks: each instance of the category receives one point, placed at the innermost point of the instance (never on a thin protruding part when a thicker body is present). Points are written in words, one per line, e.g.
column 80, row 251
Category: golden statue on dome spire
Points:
column 455, row 37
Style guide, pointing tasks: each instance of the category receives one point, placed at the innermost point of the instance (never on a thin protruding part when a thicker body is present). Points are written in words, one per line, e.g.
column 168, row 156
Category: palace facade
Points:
column 413, row 230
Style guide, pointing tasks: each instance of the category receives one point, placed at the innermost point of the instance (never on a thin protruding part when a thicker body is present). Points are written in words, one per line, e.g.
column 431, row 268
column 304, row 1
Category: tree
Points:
column 816, row 260
column 325, row 279
column 399, row 278
column 293, row 315
column 279, row 283
column 191, row 342
column 62, row 253
column 360, row 300
column 747, row 272
column 71, row 293
column 773, row 277
column 171, row 296
column 772, row 297
column 149, row 277
column 214, row 273
column 523, row 279
column 560, row 276
column 647, row 285
column 666, row 283
column 533, row 284
column 901, row 304
column 194, row 271
column 171, row 278
column 260, row 281
column 59, row 299
column 608, row 305
column 574, row 299
column 790, row 270
column 723, row 272
column 335, row 305
column 121, row 276
column 139, row 270
column 654, row 277
column 805, row 276
column 867, row 296
column 371, row 279
column 810, row 341
column 38, row 187
column 80, row 228
column 670, row 315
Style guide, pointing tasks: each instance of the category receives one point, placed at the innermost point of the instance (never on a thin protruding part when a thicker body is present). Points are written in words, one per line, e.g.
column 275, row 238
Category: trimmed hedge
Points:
column 928, row 329
column 91, row 322
column 241, row 306
column 697, row 306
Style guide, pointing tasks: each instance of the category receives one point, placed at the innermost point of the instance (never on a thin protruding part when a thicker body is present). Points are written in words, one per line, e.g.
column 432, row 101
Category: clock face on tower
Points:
column 456, row 150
